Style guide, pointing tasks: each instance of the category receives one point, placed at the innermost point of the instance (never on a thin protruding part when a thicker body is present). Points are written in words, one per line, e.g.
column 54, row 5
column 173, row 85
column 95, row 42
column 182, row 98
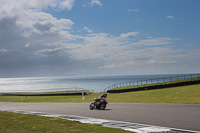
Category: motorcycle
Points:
column 99, row 104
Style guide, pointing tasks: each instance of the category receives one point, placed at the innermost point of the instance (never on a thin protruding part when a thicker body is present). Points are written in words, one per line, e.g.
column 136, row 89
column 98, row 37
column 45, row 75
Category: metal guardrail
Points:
column 47, row 90
column 152, row 81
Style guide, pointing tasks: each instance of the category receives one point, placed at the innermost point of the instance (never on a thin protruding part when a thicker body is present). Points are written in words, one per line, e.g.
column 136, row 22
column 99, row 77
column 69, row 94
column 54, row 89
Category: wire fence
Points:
column 152, row 81
column 47, row 90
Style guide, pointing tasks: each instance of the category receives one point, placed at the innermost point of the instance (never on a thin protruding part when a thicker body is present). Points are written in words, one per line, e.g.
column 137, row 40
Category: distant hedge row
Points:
column 152, row 87
column 47, row 94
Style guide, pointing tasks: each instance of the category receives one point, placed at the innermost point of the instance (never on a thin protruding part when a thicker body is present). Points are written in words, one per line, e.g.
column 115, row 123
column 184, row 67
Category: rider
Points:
column 100, row 99
column 103, row 96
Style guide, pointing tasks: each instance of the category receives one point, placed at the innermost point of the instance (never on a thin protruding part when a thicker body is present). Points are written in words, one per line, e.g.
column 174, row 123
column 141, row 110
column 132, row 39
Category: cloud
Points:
column 155, row 41
column 133, row 10
column 3, row 50
column 153, row 60
column 30, row 18
column 27, row 45
column 118, row 54
column 87, row 29
column 49, row 52
column 169, row 17
column 95, row 2
column 35, row 43
column 31, row 38
column 122, row 65
column 101, row 46
column 125, row 35
column 66, row 4
column 15, row 8
column 115, row 51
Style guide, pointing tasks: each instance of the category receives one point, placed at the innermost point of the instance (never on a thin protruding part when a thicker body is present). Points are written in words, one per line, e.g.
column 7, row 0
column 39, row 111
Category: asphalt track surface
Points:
column 181, row 116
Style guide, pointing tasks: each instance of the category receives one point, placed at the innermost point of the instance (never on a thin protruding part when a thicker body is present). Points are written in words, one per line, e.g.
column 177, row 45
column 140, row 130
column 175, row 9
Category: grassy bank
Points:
column 158, row 84
column 185, row 94
column 23, row 123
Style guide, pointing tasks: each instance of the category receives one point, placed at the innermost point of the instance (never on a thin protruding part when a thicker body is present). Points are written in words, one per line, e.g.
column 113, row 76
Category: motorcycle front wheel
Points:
column 91, row 106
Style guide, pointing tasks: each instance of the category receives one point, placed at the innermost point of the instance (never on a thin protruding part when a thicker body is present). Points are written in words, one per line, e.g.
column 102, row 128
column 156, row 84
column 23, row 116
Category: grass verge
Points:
column 182, row 95
column 185, row 94
column 23, row 123
column 155, row 84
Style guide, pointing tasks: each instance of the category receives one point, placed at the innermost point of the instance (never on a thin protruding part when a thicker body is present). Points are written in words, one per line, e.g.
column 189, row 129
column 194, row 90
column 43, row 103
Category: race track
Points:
column 182, row 116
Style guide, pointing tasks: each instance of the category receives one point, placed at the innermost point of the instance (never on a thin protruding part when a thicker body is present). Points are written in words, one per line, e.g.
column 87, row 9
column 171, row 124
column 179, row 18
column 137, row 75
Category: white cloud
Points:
column 118, row 51
column 110, row 66
column 95, row 2
column 119, row 54
column 152, row 60
column 155, row 41
column 114, row 50
column 133, row 10
column 119, row 65
column 3, row 50
column 16, row 8
column 190, row 45
column 38, row 4
column 100, row 46
column 27, row 45
column 48, row 52
column 125, row 35
column 170, row 17
column 149, row 37
column 66, row 4
column 48, row 37
column 56, row 4
column 87, row 29
column 31, row 19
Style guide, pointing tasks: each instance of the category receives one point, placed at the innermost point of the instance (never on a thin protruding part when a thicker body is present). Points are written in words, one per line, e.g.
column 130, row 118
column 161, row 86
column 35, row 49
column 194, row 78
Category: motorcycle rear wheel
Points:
column 103, row 106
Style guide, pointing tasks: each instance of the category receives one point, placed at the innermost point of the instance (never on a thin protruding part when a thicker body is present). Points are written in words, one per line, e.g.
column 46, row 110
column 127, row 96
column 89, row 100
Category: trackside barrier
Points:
column 152, row 81
column 48, row 94
column 47, row 90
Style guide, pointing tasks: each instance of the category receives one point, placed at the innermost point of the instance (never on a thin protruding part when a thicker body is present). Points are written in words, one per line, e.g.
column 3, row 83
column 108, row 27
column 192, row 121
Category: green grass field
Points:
column 185, row 94
column 23, row 123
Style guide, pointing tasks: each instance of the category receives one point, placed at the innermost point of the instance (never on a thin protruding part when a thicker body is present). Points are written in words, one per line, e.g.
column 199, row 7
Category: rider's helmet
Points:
column 104, row 95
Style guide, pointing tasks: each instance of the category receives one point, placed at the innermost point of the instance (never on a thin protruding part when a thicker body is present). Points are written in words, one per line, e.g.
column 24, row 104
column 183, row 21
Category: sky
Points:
column 99, row 37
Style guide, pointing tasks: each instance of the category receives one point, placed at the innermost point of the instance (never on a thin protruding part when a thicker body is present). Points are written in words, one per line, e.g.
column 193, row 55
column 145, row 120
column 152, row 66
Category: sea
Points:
column 46, row 84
